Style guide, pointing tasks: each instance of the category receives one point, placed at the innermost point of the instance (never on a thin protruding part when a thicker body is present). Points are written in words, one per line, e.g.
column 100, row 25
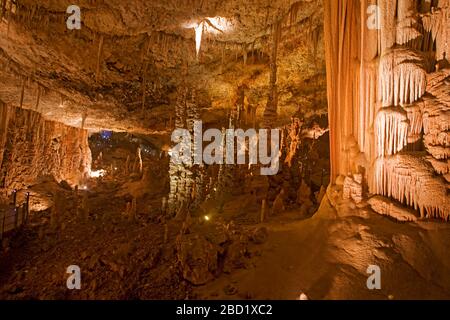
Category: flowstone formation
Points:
column 389, row 114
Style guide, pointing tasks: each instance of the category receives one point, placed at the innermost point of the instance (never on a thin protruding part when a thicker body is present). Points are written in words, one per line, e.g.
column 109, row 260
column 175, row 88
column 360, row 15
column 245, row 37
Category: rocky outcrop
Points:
column 32, row 148
column 198, row 258
column 387, row 207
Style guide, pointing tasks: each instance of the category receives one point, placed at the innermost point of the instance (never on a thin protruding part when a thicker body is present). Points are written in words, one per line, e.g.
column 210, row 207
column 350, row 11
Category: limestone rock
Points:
column 387, row 207
column 260, row 235
column 198, row 259
column 352, row 189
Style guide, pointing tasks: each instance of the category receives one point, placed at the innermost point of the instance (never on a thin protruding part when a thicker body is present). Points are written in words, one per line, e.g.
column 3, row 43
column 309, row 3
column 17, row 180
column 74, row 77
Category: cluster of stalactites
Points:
column 402, row 78
column 406, row 31
column 409, row 179
column 437, row 22
column 391, row 131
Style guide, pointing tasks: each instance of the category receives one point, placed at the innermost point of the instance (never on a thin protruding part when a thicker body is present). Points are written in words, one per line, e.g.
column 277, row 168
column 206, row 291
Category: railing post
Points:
column 16, row 217
column 2, row 223
column 27, row 211
column 22, row 216
column 14, row 197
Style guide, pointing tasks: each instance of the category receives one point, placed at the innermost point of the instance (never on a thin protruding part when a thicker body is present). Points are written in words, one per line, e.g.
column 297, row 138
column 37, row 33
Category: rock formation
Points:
column 392, row 100
column 32, row 149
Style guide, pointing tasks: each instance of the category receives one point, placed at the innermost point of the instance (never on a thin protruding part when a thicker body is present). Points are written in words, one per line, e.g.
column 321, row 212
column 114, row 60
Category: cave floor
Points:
column 325, row 257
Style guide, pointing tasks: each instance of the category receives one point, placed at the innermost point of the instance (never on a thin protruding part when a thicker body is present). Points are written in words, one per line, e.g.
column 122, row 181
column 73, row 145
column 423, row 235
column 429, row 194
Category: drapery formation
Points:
column 389, row 98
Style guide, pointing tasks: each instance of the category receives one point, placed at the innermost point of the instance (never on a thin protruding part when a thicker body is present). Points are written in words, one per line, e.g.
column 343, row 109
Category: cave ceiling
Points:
column 121, row 70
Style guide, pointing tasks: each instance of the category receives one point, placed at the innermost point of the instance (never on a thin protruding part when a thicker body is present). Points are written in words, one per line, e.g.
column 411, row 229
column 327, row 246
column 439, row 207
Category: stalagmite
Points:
column 127, row 165
column 263, row 211
column 166, row 233
column 133, row 209
column 163, row 205
column 293, row 136
column 83, row 119
column 186, row 181
column 139, row 156
column 99, row 59
column 278, row 205
column 353, row 188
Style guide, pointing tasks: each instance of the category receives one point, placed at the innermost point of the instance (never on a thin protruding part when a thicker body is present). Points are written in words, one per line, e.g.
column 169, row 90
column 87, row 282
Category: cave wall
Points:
column 32, row 148
column 386, row 84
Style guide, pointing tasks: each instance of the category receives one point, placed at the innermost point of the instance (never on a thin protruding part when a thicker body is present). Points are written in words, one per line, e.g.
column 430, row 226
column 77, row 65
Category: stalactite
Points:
column 22, row 93
column 410, row 180
column 406, row 32
column 270, row 111
column 391, row 131
column 441, row 167
column 3, row 9
column 38, row 98
column 198, row 37
column 402, row 77
column 99, row 59
column 437, row 23
column 407, row 20
column 415, row 119
column 139, row 157
column 83, row 118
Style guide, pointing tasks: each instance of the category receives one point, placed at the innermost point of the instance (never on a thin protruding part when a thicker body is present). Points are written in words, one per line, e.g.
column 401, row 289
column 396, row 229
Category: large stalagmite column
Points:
column 186, row 181
column 342, row 44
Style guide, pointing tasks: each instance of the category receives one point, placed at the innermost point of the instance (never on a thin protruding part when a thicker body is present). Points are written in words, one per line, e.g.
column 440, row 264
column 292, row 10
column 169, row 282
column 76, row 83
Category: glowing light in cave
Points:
column 198, row 37
column 303, row 297
column 97, row 173
column 106, row 135
column 207, row 218
column 214, row 25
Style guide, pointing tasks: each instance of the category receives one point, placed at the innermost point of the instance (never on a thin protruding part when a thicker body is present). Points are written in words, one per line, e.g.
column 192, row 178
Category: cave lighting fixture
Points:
column 215, row 25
